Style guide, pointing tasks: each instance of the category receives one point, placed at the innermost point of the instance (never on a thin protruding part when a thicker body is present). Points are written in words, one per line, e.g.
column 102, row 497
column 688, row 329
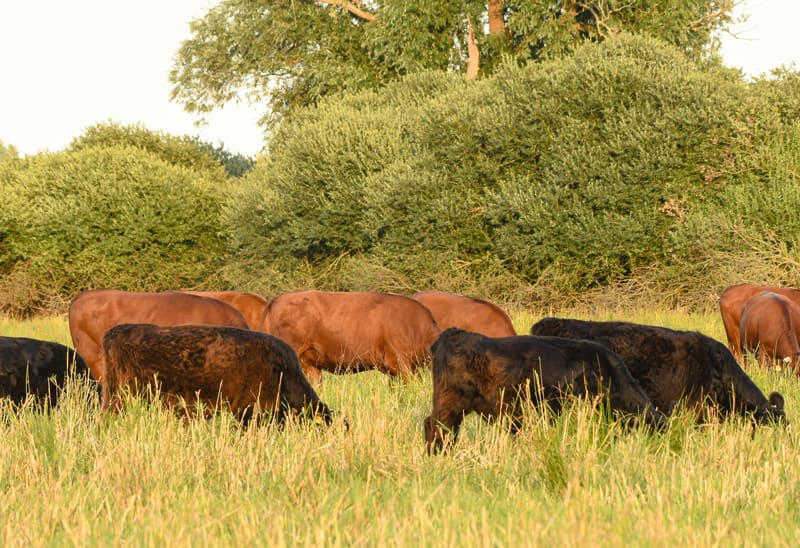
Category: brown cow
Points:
column 671, row 365
column 249, row 304
column 350, row 332
column 92, row 313
column 248, row 371
column 469, row 313
column 731, row 302
column 769, row 327
column 490, row 375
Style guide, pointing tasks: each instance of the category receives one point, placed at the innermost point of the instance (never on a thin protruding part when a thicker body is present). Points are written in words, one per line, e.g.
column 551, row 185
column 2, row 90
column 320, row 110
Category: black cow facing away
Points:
column 472, row 372
column 671, row 365
column 247, row 370
column 38, row 368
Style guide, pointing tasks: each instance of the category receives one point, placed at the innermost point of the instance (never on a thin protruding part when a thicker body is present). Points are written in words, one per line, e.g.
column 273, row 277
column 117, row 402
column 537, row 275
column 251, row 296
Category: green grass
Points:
column 146, row 477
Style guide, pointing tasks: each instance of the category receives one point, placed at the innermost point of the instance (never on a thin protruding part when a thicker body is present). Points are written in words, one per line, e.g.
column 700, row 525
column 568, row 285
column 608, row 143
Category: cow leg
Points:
column 764, row 357
column 787, row 350
column 734, row 337
column 308, row 359
column 448, row 413
column 396, row 364
column 489, row 411
column 92, row 354
column 313, row 374
column 111, row 400
column 439, row 430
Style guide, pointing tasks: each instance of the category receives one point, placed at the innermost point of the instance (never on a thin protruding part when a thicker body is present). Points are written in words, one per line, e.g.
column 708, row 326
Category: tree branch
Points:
column 602, row 14
column 355, row 10
column 473, row 55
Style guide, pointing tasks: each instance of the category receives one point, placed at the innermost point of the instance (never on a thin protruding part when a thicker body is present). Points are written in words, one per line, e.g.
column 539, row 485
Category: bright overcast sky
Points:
column 70, row 64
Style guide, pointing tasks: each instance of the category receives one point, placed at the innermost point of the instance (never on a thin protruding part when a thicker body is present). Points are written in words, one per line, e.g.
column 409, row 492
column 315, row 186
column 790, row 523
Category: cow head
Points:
column 773, row 412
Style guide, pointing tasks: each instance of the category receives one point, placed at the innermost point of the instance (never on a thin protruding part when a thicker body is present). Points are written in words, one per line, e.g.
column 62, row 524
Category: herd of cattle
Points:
column 263, row 358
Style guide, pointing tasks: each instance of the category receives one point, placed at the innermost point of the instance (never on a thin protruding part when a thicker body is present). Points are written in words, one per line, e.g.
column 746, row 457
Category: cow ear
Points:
column 776, row 399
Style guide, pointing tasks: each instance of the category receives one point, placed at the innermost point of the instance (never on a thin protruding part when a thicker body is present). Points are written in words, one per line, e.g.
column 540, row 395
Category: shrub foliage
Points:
column 106, row 217
column 625, row 165
column 578, row 173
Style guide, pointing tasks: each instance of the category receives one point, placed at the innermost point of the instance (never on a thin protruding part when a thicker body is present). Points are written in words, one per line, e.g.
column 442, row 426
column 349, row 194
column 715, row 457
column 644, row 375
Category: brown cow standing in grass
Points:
column 672, row 365
column 92, row 313
column 469, row 313
column 731, row 302
column 37, row 368
column 769, row 327
column 246, row 370
column 472, row 372
column 249, row 304
column 351, row 332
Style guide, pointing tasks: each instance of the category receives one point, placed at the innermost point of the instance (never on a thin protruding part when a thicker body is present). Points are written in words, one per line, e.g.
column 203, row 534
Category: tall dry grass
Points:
column 73, row 476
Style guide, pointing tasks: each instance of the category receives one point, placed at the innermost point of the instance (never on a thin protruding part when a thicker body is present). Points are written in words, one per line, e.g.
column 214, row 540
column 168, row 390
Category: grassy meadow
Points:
column 146, row 477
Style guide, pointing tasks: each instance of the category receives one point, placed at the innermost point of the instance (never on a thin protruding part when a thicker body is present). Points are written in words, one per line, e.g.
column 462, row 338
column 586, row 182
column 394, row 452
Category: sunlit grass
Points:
column 74, row 476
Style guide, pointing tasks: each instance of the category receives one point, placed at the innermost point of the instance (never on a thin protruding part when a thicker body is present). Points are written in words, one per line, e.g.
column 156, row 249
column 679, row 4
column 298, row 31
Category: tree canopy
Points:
column 8, row 152
column 290, row 53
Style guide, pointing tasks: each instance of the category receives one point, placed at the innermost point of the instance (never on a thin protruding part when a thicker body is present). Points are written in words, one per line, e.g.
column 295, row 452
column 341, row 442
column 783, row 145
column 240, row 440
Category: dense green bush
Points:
column 582, row 169
column 622, row 172
column 184, row 151
column 106, row 217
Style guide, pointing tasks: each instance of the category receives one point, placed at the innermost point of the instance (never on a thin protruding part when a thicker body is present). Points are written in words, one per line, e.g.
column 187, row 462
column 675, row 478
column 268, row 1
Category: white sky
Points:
column 768, row 39
column 70, row 64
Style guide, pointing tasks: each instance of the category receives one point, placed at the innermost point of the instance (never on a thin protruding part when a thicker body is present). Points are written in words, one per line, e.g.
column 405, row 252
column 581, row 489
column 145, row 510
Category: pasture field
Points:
column 146, row 477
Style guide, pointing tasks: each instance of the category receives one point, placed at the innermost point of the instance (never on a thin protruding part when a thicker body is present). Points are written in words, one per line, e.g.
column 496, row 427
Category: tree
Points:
column 8, row 152
column 580, row 171
column 185, row 151
column 289, row 53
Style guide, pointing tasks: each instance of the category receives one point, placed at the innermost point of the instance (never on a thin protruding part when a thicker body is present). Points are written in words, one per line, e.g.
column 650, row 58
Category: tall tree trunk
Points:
column 473, row 55
column 497, row 26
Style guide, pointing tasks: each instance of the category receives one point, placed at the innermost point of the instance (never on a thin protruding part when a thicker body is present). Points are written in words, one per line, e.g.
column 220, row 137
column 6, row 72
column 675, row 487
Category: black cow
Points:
column 247, row 370
column 38, row 368
column 472, row 372
column 671, row 365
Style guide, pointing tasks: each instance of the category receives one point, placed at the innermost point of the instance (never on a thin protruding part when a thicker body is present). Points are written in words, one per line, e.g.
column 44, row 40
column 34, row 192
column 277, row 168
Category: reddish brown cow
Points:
column 468, row 313
column 92, row 313
column 249, row 304
column 731, row 302
column 350, row 332
column 246, row 370
column 768, row 328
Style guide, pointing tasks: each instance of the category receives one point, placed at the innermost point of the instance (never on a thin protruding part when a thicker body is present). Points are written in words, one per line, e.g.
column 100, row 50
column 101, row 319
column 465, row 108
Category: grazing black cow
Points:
column 671, row 365
column 248, row 370
column 38, row 368
column 472, row 372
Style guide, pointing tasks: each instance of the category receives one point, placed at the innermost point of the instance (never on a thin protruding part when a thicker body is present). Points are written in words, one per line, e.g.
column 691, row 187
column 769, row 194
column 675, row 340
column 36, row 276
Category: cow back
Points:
column 670, row 364
column 250, row 305
column 487, row 375
column 343, row 331
column 468, row 313
column 246, row 369
column 92, row 313
column 35, row 367
column 732, row 301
